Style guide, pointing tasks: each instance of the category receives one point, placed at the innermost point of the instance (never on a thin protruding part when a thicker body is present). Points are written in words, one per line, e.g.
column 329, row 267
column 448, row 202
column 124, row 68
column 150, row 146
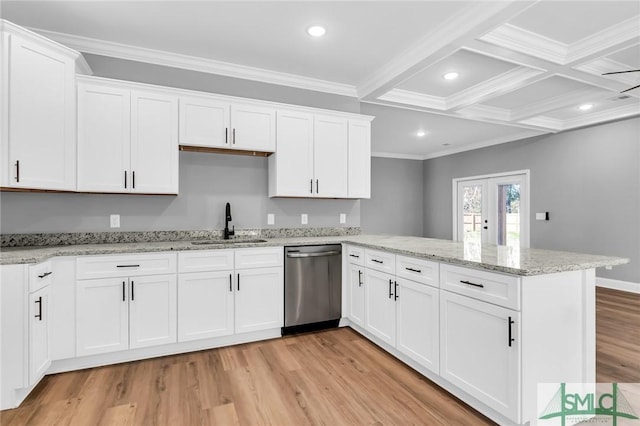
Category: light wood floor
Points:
column 333, row 377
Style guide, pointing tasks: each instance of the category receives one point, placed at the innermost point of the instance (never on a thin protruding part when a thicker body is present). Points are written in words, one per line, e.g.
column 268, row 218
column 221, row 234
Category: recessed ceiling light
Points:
column 450, row 75
column 316, row 31
column 585, row 107
column 420, row 133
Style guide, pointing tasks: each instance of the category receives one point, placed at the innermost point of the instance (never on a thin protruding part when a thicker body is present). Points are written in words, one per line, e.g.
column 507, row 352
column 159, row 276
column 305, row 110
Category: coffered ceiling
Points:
column 524, row 67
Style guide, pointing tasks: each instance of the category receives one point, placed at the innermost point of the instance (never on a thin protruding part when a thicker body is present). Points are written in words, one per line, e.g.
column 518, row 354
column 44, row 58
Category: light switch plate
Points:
column 114, row 220
column 343, row 218
column 271, row 219
column 542, row 216
column 304, row 218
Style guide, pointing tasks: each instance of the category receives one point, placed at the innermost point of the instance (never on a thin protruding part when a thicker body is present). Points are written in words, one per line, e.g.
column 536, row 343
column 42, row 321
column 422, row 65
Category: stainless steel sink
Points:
column 235, row 241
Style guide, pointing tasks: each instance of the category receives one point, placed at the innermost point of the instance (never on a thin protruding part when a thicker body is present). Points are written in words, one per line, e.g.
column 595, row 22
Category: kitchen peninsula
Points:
column 486, row 323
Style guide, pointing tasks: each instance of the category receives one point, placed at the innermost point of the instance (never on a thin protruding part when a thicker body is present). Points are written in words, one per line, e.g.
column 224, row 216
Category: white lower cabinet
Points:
column 205, row 305
column 417, row 322
column 380, row 305
column 480, row 351
column 259, row 299
column 152, row 310
column 39, row 334
column 356, row 294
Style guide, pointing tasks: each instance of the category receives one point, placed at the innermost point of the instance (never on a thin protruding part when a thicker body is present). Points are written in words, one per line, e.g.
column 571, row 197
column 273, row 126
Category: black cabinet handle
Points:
column 390, row 292
column 238, row 282
column 230, row 283
column 125, row 179
column 414, row 270
column 234, row 135
column 359, row 278
column 132, row 294
column 39, row 302
column 46, row 274
column 127, row 266
column 354, row 255
column 511, row 339
column 124, row 290
column 226, row 135
column 377, row 261
column 395, row 295
column 311, row 186
column 18, row 171
column 317, row 186
column 133, row 179
column 473, row 284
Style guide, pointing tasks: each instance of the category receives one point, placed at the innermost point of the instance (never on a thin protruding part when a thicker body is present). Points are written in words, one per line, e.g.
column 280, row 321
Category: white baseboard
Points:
column 629, row 286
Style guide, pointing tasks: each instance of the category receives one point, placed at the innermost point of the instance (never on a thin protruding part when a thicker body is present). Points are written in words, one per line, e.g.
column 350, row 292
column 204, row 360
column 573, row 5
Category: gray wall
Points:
column 397, row 198
column 587, row 179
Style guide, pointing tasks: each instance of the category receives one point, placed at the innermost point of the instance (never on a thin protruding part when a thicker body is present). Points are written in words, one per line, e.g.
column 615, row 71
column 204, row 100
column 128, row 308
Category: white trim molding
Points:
column 628, row 286
column 194, row 63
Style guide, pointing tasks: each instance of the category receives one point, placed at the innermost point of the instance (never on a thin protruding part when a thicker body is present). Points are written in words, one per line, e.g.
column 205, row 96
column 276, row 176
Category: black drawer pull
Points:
column 132, row 294
column 238, row 282
column 354, row 255
column 473, row 284
column 39, row 302
column 511, row 339
column 230, row 283
column 127, row 266
column 377, row 261
column 46, row 274
column 414, row 270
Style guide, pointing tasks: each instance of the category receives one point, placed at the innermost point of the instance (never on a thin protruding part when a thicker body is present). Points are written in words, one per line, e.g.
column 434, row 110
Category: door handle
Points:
column 230, row 283
column 132, row 294
column 238, row 282
column 390, row 292
column 317, row 186
column 17, row 170
column 319, row 254
column 311, row 186
column 234, row 135
column 39, row 302
column 124, row 296
column 125, row 179
column 226, row 135
column 359, row 278
column 395, row 291
column 133, row 179
column 511, row 339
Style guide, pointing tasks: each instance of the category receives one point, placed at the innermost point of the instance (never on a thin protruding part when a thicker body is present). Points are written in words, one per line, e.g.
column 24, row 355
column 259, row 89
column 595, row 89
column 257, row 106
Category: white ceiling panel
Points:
column 473, row 68
column 629, row 57
column 570, row 21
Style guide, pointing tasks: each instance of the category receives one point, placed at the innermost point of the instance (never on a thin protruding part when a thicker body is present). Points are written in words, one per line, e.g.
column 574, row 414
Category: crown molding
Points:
column 496, row 86
column 560, row 101
column 528, row 42
column 414, row 98
column 603, row 40
column 480, row 111
column 193, row 63
column 553, row 124
column 603, row 65
column 610, row 114
column 397, row 156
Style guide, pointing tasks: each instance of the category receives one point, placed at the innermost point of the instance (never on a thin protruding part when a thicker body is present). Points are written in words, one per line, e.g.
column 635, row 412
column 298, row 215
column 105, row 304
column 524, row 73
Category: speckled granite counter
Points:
column 494, row 258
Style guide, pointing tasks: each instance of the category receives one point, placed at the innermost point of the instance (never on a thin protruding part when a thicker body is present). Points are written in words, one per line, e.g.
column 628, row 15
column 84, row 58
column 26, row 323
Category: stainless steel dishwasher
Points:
column 312, row 287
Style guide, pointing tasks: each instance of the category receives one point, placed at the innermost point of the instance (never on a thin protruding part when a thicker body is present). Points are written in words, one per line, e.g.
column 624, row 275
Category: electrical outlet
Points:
column 114, row 220
column 343, row 218
column 304, row 218
column 271, row 219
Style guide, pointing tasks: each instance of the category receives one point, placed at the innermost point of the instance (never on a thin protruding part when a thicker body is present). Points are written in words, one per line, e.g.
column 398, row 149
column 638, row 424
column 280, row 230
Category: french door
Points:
column 492, row 209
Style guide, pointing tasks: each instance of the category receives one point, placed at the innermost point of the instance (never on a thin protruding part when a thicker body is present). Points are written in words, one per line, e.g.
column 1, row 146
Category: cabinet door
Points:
column 253, row 127
column 204, row 122
column 356, row 294
column 102, row 322
column 39, row 337
column 41, row 118
column 259, row 301
column 104, row 118
column 475, row 352
column 380, row 305
column 330, row 157
column 154, row 143
column 291, row 166
column 205, row 305
column 359, row 184
column 417, row 322
column 152, row 310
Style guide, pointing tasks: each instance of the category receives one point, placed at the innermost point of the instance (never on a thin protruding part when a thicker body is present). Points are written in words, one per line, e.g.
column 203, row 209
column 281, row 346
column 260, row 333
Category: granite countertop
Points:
column 511, row 260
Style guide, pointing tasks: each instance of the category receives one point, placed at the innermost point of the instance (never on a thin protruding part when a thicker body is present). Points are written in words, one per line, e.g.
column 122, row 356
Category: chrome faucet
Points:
column 228, row 219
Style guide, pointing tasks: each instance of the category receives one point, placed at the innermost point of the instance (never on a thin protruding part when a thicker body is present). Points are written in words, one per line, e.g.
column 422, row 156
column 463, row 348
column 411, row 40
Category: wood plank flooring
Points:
column 333, row 377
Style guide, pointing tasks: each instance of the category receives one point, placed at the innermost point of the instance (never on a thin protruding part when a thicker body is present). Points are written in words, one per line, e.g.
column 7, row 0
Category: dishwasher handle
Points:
column 319, row 254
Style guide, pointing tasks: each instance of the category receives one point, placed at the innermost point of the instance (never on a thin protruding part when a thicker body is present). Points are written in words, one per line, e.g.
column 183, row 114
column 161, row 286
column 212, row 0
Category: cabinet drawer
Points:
column 128, row 265
column 420, row 270
column 499, row 289
column 40, row 276
column 205, row 260
column 380, row 261
column 355, row 255
column 259, row 257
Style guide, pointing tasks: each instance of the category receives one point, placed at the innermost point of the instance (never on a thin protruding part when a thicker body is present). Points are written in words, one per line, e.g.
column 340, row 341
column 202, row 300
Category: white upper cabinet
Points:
column 204, row 122
column 330, row 156
column 39, row 107
column 212, row 122
column 291, row 167
column 359, row 183
column 127, row 139
column 322, row 156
